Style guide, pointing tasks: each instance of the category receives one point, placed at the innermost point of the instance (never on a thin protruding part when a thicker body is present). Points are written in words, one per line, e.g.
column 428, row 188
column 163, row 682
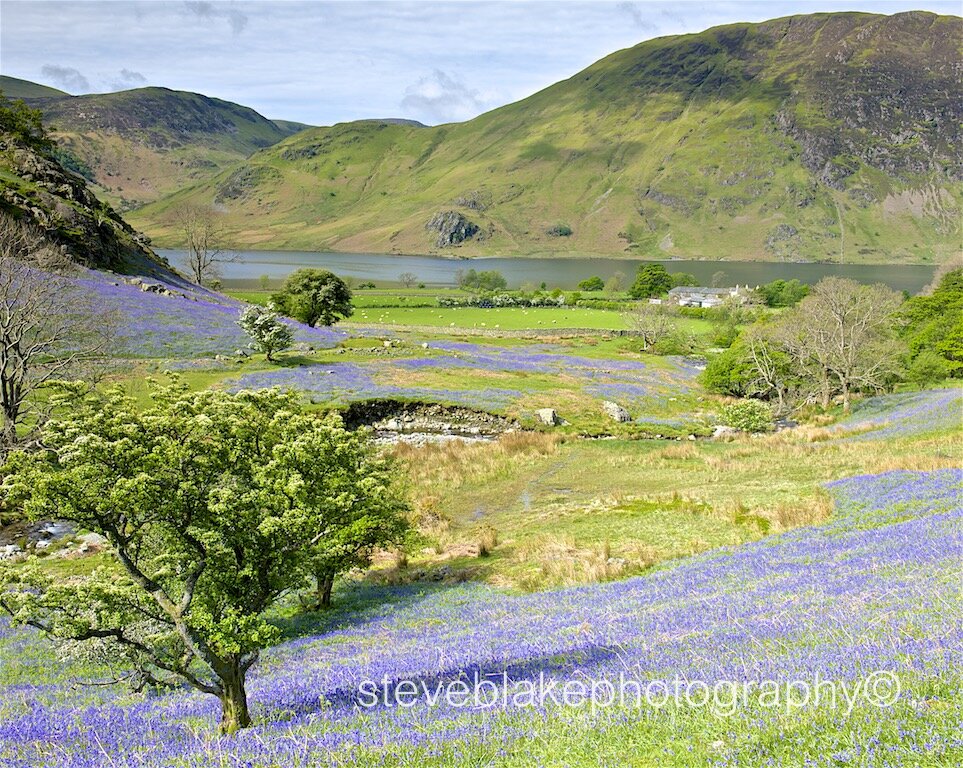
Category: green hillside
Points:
column 15, row 88
column 827, row 137
column 141, row 144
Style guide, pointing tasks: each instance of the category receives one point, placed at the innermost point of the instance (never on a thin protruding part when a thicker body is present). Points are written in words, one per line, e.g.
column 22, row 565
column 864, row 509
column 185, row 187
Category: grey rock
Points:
column 615, row 412
column 548, row 417
column 452, row 228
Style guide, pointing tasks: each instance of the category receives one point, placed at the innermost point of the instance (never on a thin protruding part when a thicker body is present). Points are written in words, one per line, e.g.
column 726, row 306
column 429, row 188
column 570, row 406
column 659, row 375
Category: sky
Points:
column 326, row 62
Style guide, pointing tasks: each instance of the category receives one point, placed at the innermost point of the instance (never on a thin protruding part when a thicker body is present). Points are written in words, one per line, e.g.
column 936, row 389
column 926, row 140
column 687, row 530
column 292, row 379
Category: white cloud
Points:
column 67, row 78
column 127, row 78
column 325, row 62
column 439, row 97
column 208, row 10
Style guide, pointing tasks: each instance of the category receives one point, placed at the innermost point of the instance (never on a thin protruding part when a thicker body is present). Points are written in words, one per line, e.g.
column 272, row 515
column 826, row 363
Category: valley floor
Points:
column 724, row 579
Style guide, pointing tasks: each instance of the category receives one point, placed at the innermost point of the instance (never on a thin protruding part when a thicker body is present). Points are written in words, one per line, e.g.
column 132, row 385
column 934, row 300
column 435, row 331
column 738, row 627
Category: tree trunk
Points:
column 234, row 712
column 845, row 385
column 325, row 584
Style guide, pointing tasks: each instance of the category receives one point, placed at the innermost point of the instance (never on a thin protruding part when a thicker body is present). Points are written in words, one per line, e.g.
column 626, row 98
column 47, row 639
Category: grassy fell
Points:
column 692, row 146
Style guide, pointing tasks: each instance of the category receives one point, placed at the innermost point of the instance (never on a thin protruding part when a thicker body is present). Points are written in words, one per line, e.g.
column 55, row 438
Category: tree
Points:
column 769, row 366
column 594, row 283
column 314, row 296
column 50, row 328
column 269, row 334
column 26, row 124
column 487, row 280
column 783, row 293
column 361, row 531
column 934, row 324
column 843, row 336
column 652, row 323
column 203, row 238
column 729, row 372
column 683, row 278
column 214, row 505
column 408, row 279
column 615, row 282
column 650, row 281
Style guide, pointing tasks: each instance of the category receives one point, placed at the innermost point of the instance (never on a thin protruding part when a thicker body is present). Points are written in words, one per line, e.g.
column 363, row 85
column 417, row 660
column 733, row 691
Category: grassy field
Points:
column 561, row 510
column 419, row 308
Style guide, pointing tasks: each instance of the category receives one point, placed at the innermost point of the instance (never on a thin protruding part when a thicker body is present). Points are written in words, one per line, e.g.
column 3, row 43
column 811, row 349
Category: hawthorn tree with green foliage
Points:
column 267, row 331
column 594, row 283
column 651, row 280
column 215, row 505
column 26, row 124
column 314, row 296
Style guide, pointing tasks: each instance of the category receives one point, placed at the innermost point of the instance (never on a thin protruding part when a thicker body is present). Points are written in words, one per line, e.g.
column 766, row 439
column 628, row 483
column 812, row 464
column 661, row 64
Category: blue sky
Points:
column 326, row 62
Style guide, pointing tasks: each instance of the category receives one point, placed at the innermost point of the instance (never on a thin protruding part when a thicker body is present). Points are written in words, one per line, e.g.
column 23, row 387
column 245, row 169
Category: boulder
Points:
column 548, row 417
column 721, row 432
column 615, row 412
column 92, row 539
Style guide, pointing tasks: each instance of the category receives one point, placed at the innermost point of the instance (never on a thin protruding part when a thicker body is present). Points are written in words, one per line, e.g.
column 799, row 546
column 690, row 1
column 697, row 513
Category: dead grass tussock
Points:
column 683, row 451
column 915, row 462
column 486, row 539
column 559, row 560
column 443, row 467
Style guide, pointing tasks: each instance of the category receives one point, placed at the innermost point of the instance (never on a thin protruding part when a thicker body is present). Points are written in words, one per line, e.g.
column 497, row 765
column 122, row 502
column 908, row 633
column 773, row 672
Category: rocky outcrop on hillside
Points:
column 451, row 227
column 870, row 96
column 60, row 204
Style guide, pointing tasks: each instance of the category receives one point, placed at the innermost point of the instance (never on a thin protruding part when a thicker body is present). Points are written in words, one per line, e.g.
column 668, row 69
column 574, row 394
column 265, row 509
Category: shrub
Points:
column 927, row 368
column 748, row 415
column 559, row 230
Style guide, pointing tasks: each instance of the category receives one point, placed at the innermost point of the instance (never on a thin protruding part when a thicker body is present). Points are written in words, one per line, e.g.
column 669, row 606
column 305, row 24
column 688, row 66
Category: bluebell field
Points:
column 876, row 588
column 194, row 323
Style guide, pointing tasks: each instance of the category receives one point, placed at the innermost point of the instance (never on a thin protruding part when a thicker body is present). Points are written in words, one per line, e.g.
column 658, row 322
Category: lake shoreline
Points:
column 441, row 271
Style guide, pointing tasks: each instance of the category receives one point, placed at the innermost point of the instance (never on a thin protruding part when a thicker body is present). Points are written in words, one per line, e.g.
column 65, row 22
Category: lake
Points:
column 384, row 269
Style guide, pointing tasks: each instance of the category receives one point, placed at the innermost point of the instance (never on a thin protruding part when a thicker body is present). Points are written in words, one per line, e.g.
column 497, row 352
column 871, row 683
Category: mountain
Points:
column 818, row 137
column 15, row 88
column 135, row 146
column 35, row 188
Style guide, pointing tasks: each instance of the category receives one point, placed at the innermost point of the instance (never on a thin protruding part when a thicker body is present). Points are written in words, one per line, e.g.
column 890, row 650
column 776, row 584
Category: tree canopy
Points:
column 314, row 296
column 840, row 339
column 934, row 324
column 26, row 124
column 214, row 504
column 594, row 283
column 486, row 280
column 783, row 293
column 650, row 281
column 268, row 333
